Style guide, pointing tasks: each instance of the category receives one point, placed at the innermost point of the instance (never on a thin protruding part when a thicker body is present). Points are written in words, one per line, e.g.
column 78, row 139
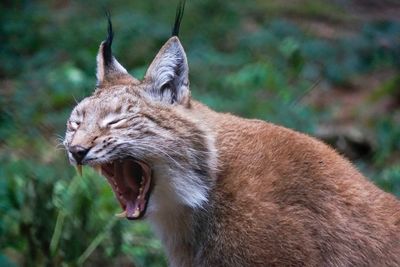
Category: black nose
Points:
column 78, row 152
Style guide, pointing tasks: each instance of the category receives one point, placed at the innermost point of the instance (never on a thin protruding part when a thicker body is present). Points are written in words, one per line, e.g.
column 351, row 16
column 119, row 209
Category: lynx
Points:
column 220, row 190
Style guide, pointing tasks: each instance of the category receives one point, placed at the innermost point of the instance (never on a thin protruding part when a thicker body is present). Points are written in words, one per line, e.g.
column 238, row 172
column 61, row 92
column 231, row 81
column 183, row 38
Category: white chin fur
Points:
column 174, row 188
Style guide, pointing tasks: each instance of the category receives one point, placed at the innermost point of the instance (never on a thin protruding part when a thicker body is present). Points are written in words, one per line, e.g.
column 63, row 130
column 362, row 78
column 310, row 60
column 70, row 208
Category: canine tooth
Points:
column 98, row 169
column 121, row 215
column 79, row 169
column 136, row 213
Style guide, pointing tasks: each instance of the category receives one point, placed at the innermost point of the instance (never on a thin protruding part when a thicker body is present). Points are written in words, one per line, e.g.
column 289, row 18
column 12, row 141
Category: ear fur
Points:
column 168, row 74
column 109, row 70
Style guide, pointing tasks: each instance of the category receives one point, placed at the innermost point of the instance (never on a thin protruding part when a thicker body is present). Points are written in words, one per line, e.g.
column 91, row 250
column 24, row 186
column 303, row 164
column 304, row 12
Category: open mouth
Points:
column 131, row 182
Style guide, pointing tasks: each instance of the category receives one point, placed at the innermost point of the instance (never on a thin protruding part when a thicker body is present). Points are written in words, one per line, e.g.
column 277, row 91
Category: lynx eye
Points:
column 116, row 123
column 73, row 125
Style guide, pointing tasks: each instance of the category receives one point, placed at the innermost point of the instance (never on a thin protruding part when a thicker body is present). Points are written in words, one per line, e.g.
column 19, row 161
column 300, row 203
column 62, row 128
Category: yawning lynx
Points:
column 221, row 190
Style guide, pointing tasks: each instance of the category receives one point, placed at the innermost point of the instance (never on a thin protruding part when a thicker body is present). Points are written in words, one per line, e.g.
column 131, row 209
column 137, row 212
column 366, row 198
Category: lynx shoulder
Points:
column 220, row 190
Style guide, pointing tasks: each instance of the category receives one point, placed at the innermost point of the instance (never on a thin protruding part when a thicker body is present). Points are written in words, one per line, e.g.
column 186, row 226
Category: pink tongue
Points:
column 127, row 172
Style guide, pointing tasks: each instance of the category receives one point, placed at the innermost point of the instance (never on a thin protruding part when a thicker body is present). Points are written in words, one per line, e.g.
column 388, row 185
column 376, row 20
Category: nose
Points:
column 78, row 152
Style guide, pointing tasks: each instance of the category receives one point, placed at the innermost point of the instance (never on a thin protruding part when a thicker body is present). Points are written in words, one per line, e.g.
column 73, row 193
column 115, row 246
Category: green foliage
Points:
column 66, row 220
column 249, row 58
column 387, row 138
column 389, row 180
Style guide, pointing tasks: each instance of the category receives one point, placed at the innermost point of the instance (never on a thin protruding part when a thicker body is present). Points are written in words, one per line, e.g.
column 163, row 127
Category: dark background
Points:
column 326, row 68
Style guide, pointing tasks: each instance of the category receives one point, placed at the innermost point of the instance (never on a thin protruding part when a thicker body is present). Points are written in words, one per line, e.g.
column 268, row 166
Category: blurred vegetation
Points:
column 308, row 65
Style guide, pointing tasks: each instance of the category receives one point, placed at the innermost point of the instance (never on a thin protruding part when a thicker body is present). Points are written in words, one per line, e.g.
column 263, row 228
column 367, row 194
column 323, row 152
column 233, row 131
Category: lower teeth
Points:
column 124, row 214
column 136, row 213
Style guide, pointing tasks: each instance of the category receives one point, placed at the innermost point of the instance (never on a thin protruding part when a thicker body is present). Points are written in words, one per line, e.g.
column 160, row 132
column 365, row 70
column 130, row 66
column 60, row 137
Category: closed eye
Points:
column 116, row 123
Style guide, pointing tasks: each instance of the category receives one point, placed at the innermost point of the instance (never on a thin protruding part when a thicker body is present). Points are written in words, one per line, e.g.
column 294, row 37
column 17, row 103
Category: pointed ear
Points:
column 168, row 74
column 109, row 70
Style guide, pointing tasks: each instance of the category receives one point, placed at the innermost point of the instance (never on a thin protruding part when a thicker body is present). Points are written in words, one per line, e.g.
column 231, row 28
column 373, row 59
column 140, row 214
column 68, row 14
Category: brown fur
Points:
column 282, row 198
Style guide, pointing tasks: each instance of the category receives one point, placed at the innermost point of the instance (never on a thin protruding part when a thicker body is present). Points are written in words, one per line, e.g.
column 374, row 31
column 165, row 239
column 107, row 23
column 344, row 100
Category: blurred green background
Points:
column 327, row 68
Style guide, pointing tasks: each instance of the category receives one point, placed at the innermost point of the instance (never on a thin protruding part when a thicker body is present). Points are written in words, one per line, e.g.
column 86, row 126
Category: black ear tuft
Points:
column 178, row 17
column 107, row 52
column 109, row 70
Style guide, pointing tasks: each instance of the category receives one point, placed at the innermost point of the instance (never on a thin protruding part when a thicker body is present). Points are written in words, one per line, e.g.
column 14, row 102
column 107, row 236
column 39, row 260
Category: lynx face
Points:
column 98, row 135
column 137, row 135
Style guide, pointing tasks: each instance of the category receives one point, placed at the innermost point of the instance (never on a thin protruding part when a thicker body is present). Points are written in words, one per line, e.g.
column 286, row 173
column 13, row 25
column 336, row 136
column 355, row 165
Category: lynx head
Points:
column 137, row 133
